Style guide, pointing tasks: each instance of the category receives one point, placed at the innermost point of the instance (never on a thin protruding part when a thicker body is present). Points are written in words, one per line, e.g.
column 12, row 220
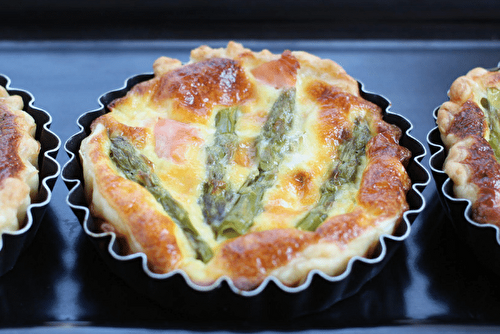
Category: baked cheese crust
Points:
column 246, row 164
column 18, row 161
column 470, row 129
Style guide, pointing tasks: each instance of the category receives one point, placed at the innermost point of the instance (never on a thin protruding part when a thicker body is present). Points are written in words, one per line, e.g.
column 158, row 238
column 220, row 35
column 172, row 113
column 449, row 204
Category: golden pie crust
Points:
column 467, row 132
column 18, row 161
column 170, row 120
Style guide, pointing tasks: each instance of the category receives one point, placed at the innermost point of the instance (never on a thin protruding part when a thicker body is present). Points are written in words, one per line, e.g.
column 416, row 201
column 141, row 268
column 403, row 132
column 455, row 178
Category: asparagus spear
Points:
column 136, row 167
column 343, row 172
column 272, row 143
column 271, row 147
column 217, row 191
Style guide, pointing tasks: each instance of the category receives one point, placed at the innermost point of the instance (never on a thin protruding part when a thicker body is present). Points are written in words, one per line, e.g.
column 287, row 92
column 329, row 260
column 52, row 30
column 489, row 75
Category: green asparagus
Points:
column 343, row 171
column 137, row 168
column 272, row 145
column 491, row 105
column 217, row 191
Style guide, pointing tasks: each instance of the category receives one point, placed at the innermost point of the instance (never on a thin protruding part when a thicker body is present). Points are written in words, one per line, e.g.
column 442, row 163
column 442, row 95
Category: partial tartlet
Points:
column 469, row 125
column 18, row 161
column 28, row 170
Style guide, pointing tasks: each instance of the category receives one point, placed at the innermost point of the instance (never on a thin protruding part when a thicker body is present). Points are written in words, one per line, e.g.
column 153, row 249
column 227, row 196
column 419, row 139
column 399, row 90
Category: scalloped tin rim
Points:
column 47, row 183
column 128, row 83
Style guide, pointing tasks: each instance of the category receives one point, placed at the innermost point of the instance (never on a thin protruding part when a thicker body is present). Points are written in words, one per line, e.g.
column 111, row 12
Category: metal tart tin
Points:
column 271, row 300
column 12, row 243
column 482, row 239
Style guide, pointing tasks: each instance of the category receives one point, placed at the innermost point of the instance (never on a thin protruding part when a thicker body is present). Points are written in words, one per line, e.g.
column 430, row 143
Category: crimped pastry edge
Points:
column 13, row 242
column 459, row 210
column 461, row 207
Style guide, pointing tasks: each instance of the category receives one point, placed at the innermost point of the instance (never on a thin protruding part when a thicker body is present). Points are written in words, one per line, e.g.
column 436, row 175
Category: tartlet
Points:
column 169, row 152
column 28, row 173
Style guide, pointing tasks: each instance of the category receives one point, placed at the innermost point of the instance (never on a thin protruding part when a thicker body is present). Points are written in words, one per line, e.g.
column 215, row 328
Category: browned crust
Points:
column 18, row 161
column 248, row 259
column 196, row 88
column 472, row 165
column 10, row 161
column 461, row 115
column 485, row 208
column 471, row 162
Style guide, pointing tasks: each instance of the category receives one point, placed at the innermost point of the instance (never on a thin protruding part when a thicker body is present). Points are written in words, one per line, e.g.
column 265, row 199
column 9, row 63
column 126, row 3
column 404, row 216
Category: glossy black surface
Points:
column 256, row 19
column 432, row 279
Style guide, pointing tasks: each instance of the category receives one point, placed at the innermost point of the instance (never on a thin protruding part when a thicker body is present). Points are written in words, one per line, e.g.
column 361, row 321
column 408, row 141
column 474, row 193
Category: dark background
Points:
column 67, row 53
column 256, row 19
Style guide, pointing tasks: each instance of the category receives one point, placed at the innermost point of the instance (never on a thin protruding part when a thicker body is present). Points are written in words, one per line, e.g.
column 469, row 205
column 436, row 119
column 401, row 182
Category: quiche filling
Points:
column 136, row 167
column 343, row 173
column 246, row 165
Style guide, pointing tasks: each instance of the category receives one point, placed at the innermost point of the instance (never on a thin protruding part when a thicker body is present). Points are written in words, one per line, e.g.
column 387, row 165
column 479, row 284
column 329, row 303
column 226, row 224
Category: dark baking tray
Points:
column 432, row 282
